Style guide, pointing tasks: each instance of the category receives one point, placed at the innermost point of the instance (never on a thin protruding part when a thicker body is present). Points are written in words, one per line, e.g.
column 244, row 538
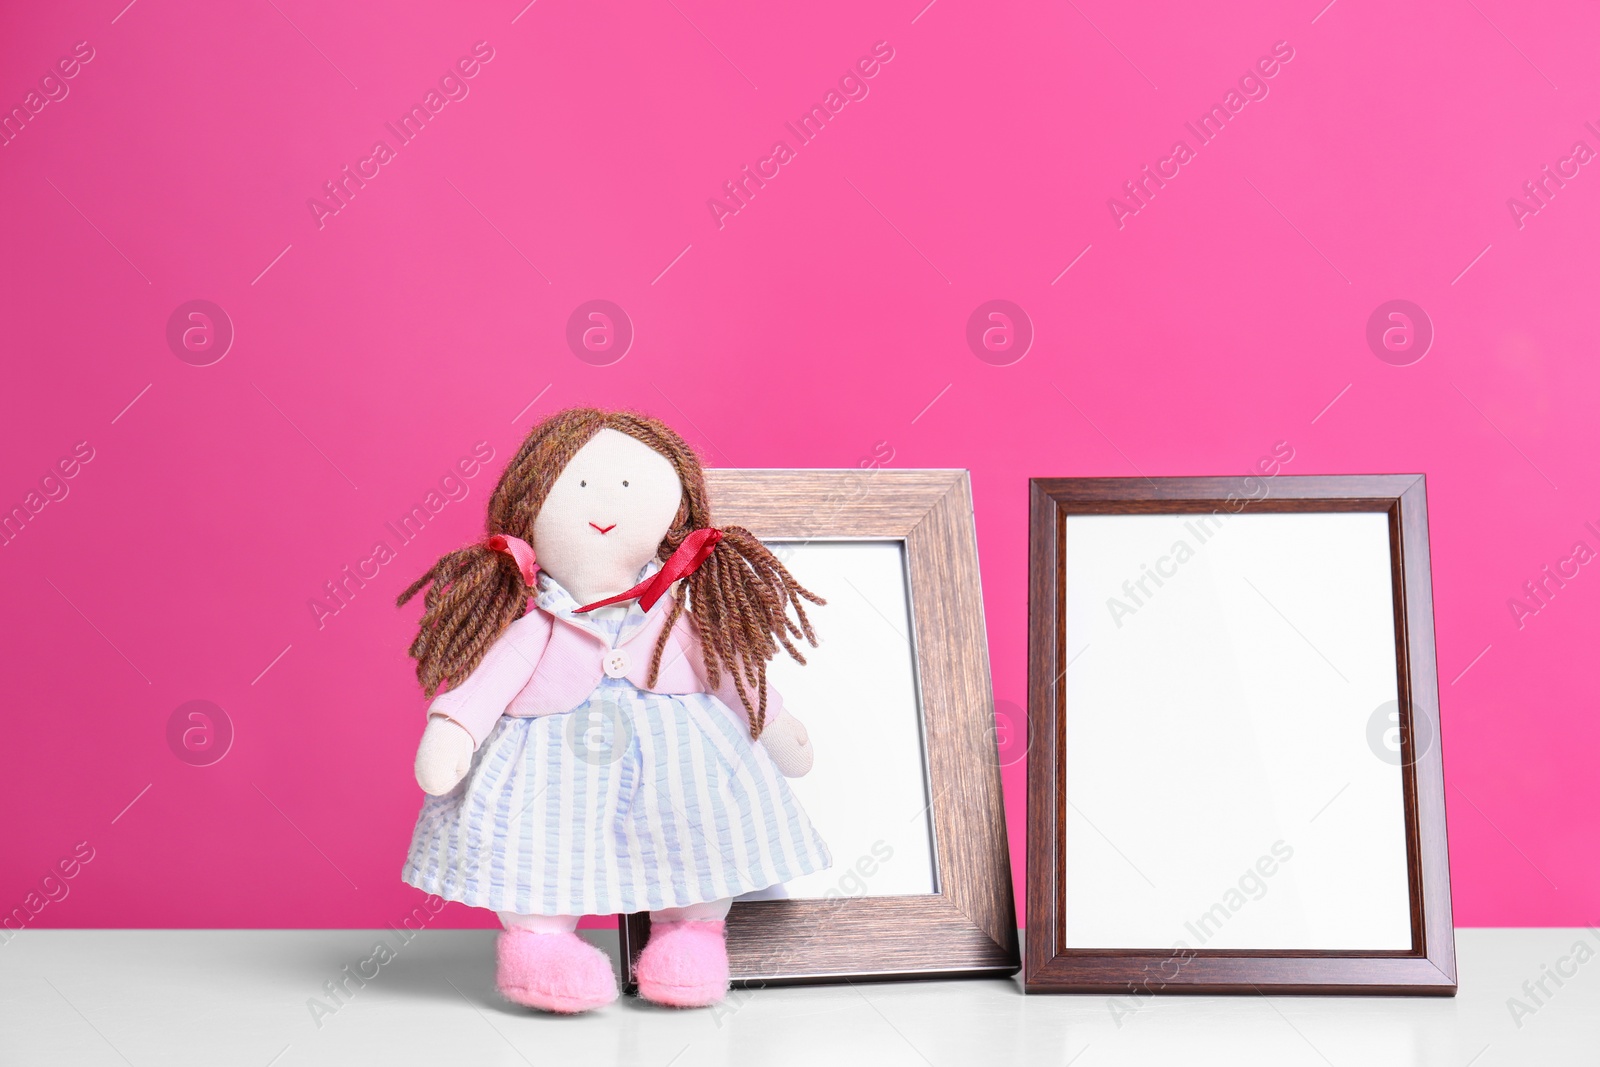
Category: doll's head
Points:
column 598, row 495
column 606, row 515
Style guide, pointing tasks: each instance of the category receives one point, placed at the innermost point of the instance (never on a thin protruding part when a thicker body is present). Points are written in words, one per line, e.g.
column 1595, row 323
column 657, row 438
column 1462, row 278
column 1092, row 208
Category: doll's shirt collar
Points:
column 552, row 597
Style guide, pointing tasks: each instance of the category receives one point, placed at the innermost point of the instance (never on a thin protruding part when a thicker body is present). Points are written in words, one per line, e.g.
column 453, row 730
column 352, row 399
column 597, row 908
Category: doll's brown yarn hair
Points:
column 740, row 598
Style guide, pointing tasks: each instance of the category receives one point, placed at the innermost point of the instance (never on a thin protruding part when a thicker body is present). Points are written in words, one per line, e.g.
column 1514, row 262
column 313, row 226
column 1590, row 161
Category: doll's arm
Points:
column 461, row 718
column 783, row 736
column 444, row 756
column 788, row 744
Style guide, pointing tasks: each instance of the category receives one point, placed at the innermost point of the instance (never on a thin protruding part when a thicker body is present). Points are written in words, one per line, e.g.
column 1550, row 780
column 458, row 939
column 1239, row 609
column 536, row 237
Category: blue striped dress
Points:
column 634, row 801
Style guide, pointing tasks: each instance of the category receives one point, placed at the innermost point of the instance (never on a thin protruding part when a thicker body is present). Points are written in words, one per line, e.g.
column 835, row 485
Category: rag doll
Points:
column 602, row 738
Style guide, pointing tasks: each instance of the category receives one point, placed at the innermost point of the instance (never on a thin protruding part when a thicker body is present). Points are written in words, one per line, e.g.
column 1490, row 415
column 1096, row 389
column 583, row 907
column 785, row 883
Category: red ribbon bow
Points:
column 683, row 562
column 517, row 549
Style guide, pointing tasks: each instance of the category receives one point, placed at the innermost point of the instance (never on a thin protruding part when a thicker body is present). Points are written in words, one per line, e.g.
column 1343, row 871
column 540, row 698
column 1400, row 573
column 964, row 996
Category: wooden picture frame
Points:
column 968, row 926
column 1051, row 963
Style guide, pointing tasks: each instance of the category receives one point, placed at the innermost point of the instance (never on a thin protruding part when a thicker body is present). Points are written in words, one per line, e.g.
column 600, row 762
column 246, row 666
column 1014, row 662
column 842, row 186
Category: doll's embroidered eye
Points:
column 582, row 484
column 624, row 483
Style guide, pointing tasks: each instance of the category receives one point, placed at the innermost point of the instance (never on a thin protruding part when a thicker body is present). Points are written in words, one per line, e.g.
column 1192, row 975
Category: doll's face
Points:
column 605, row 515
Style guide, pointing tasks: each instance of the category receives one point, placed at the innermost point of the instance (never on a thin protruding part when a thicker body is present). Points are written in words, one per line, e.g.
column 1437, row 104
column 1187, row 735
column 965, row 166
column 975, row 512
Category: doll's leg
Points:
column 710, row 911
column 539, row 924
column 685, row 963
column 544, row 964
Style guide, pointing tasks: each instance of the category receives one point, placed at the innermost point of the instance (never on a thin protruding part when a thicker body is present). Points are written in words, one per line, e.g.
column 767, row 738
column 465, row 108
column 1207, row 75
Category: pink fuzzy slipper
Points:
column 684, row 965
column 554, row 972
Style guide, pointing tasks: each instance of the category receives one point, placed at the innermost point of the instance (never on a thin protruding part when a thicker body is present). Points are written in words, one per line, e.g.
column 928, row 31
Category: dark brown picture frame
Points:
column 1429, row 967
column 969, row 926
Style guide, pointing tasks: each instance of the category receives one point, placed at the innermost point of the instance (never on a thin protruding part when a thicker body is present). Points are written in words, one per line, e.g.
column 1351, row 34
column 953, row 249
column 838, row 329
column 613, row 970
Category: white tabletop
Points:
column 244, row 997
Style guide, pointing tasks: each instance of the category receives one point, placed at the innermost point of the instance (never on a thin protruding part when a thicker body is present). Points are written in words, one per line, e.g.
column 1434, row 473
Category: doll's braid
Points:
column 474, row 593
column 740, row 597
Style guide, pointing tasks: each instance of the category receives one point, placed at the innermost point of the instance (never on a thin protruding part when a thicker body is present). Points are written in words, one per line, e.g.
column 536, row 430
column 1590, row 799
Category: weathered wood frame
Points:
column 969, row 926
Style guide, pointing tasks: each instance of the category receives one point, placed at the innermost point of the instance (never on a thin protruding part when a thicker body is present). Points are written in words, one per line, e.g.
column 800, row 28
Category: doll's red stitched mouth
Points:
column 604, row 529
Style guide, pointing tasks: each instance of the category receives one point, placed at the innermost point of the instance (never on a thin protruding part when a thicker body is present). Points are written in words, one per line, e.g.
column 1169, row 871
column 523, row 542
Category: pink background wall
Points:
column 372, row 351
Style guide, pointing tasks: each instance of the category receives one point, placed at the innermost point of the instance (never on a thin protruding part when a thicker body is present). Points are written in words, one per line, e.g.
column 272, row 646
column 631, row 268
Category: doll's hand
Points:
column 789, row 745
column 444, row 756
